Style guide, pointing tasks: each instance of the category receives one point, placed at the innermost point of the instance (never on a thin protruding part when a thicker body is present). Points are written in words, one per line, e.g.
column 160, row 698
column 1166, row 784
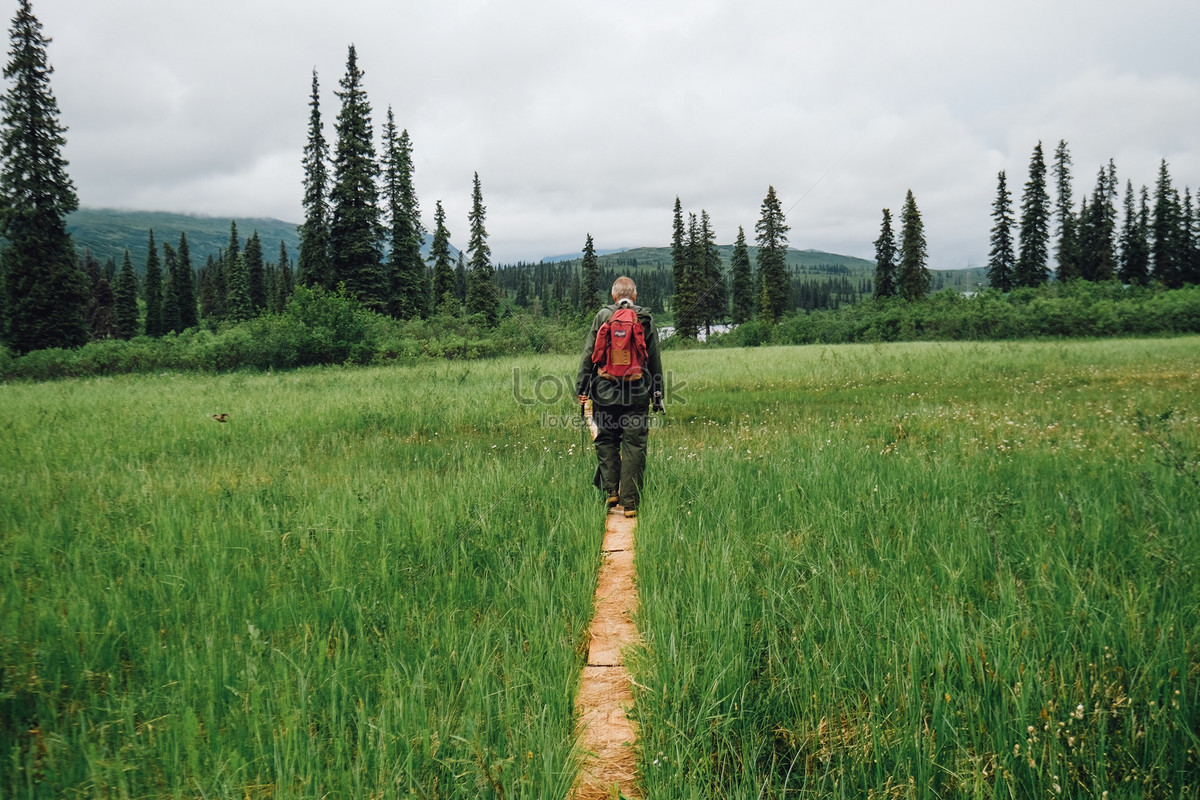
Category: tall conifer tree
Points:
column 238, row 306
column 741, row 281
column 286, row 283
column 589, row 286
column 482, row 297
column 356, row 232
column 1164, row 231
column 313, row 266
column 256, row 275
column 445, row 293
column 152, row 290
column 1097, row 240
column 185, row 285
column 913, row 278
column 682, row 268
column 409, row 292
column 713, row 294
column 45, row 293
column 101, row 307
column 885, row 258
column 1032, row 266
column 771, row 237
column 170, row 296
column 1134, row 259
column 1067, row 253
column 1001, row 260
column 125, row 296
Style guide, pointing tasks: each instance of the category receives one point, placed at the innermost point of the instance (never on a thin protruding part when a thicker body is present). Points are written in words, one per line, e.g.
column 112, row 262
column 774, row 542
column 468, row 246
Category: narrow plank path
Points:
column 606, row 734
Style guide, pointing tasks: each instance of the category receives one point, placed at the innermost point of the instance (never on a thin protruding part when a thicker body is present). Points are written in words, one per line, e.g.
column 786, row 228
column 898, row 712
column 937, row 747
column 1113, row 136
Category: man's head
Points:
column 623, row 288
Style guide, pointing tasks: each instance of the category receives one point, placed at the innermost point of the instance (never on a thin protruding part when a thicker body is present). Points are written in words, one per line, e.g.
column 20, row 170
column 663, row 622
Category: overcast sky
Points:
column 592, row 117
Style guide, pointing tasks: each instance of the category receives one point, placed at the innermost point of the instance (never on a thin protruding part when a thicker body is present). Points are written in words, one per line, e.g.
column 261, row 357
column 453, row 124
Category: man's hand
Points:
column 657, row 403
column 582, row 398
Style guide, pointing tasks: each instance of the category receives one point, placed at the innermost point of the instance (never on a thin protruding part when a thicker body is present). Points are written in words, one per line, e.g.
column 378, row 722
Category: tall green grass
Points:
column 956, row 570
column 924, row 571
column 364, row 584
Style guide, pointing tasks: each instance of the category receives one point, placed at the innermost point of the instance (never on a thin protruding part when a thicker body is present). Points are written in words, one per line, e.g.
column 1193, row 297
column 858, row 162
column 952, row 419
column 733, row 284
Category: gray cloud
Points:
column 592, row 118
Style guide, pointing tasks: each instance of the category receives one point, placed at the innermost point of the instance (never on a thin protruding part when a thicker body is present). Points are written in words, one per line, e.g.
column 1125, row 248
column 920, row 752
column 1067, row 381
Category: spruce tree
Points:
column 45, row 293
column 913, row 278
column 184, row 286
column 238, row 306
column 1164, row 230
column 771, row 237
column 1133, row 266
column 683, row 304
column 1032, row 265
column 356, row 231
column 313, row 266
column 1000, row 258
column 256, row 275
column 1067, row 254
column 409, row 292
column 460, row 280
column 170, row 313
column 213, row 290
column 482, row 295
column 1189, row 236
column 1097, row 241
column 152, row 289
column 286, row 282
column 101, row 307
column 589, row 287
column 445, row 292
column 741, row 286
column 885, row 258
column 125, row 299
column 713, row 295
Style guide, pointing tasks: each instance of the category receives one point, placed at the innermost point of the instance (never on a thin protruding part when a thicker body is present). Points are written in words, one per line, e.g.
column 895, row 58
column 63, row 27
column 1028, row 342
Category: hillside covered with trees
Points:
column 361, row 279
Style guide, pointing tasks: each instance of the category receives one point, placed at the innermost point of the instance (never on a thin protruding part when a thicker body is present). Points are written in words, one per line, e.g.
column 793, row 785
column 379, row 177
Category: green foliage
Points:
column 314, row 266
column 45, row 293
column 771, row 236
column 316, row 327
column 1001, row 260
column 741, row 282
column 1032, row 266
column 355, row 229
column 923, row 571
column 369, row 582
column 482, row 295
column 913, row 278
column 885, row 258
column 108, row 233
column 1078, row 309
column 126, row 300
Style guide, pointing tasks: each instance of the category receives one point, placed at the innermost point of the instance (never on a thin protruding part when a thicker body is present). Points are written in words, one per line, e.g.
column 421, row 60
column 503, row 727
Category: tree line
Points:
column 362, row 235
column 1153, row 242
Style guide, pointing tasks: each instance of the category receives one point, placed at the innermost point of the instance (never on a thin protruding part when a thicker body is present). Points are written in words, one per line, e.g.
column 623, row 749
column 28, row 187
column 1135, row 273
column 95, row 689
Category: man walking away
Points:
column 621, row 372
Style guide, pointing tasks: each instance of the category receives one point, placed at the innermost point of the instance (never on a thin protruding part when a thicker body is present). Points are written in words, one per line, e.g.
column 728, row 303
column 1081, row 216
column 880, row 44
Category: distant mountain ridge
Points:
column 108, row 232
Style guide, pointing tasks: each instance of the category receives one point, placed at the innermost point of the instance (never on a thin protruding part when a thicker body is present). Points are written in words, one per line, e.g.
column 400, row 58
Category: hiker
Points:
column 622, row 379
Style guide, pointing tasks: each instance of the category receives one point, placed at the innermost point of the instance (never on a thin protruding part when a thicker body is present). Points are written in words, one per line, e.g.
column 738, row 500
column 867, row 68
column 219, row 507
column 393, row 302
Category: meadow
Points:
column 895, row 570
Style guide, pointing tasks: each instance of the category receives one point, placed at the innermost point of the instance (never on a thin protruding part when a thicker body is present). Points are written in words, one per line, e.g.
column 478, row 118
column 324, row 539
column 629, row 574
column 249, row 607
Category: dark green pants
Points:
column 621, row 450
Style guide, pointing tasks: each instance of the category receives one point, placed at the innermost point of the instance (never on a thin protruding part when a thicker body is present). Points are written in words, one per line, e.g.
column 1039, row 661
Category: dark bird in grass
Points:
column 221, row 417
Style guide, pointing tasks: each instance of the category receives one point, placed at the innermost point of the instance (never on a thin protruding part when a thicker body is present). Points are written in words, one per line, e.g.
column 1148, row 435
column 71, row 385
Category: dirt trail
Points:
column 606, row 735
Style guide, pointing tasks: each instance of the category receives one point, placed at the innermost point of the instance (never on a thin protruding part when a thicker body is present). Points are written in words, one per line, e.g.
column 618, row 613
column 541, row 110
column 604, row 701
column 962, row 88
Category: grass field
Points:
column 890, row 571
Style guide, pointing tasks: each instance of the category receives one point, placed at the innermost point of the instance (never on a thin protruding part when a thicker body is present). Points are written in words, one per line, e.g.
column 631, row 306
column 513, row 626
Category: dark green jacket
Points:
column 623, row 393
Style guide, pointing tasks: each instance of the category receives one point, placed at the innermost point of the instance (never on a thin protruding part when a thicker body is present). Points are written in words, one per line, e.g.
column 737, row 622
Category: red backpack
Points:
column 621, row 346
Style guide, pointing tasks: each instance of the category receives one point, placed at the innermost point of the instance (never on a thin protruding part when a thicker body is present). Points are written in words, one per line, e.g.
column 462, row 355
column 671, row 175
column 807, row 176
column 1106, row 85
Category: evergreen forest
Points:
column 361, row 279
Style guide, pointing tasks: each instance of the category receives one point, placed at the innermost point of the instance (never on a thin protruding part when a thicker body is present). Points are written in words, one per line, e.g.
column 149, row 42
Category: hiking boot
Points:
column 630, row 513
column 612, row 500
